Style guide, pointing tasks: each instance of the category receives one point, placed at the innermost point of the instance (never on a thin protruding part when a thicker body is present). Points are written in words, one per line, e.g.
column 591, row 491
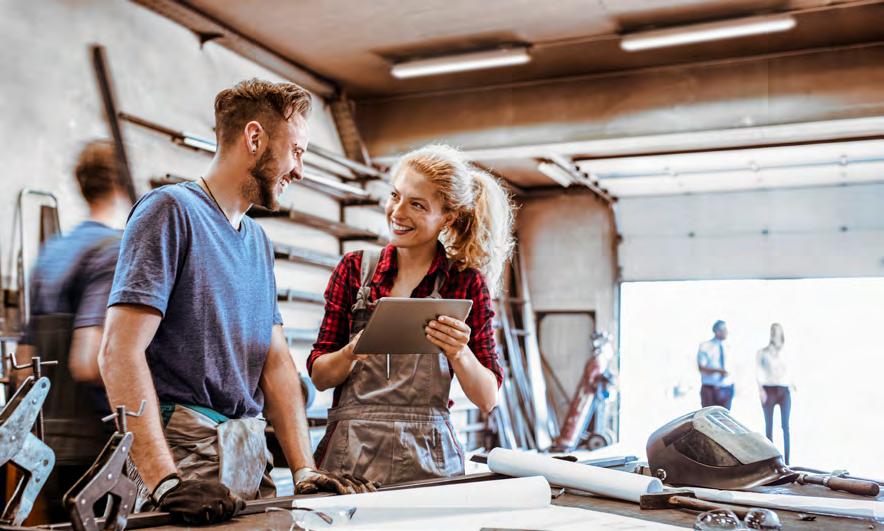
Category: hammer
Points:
column 854, row 486
column 684, row 499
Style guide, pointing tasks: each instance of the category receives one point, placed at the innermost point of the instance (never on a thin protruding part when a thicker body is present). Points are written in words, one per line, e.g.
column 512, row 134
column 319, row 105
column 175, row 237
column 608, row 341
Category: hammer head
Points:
column 660, row 500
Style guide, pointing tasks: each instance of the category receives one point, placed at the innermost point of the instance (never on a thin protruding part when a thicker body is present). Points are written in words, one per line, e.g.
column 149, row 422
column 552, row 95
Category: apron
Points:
column 391, row 424
column 232, row 451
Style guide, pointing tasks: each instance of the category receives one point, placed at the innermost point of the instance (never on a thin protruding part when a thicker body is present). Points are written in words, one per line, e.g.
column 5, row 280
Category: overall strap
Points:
column 370, row 259
column 437, row 286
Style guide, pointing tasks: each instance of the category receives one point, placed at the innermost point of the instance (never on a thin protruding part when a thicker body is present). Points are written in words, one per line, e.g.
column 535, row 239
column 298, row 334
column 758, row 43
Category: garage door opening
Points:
column 836, row 354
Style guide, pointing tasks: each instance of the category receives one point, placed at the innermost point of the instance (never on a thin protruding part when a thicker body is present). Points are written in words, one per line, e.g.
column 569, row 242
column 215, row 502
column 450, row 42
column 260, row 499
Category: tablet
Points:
column 397, row 325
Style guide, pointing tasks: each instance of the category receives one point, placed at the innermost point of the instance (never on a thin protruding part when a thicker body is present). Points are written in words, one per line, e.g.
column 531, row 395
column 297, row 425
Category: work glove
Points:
column 200, row 502
column 311, row 480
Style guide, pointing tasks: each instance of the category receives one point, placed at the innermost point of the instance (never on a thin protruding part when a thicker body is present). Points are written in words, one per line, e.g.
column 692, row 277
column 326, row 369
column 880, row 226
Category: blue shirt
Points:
column 711, row 355
column 215, row 289
column 73, row 275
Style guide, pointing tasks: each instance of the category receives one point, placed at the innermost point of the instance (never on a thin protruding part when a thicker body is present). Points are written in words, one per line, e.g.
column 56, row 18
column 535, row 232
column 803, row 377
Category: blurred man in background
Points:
column 717, row 388
column 70, row 285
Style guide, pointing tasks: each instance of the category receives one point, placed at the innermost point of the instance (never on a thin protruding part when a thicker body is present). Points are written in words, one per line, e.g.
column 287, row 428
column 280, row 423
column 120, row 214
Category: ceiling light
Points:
column 462, row 62
column 556, row 173
column 711, row 31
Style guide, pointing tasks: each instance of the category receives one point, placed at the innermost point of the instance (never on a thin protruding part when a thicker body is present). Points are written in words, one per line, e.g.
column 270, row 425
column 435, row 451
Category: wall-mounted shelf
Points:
column 301, row 335
column 340, row 230
column 360, row 172
column 299, row 255
column 294, row 295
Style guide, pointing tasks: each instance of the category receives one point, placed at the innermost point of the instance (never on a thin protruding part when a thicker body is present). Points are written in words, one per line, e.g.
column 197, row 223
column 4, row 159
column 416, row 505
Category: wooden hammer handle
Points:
column 853, row 486
column 703, row 505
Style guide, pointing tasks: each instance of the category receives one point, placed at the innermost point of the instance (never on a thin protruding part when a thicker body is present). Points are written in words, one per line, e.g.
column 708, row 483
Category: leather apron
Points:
column 232, row 451
column 391, row 423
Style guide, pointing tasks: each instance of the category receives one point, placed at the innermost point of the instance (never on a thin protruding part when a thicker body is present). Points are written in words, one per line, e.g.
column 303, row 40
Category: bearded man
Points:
column 193, row 325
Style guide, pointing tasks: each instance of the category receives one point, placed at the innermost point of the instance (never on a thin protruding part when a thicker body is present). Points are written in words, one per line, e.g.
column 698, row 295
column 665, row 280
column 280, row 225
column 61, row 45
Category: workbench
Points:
column 279, row 520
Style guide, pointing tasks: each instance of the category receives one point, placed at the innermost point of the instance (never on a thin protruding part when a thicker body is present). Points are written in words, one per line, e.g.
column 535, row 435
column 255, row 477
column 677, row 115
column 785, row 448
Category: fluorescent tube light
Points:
column 556, row 173
column 462, row 62
column 711, row 31
column 199, row 143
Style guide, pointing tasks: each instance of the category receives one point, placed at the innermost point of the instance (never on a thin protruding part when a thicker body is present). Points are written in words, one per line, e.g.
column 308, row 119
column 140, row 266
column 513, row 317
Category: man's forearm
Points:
column 284, row 404
column 127, row 380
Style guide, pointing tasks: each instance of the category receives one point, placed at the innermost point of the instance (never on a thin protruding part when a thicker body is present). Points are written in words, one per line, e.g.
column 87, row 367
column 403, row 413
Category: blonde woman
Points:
column 775, row 385
column 451, row 233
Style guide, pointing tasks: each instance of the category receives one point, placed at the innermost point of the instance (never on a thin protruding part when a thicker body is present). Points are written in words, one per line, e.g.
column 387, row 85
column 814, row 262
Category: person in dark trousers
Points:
column 774, row 385
column 717, row 387
column 70, row 284
column 193, row 327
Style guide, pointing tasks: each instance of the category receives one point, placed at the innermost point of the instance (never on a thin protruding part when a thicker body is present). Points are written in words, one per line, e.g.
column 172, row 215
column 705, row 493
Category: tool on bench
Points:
column 684, row 499
column 709, row 448
column 106, row 478
column 607, row 462
column 25, row 450
column 840, row 473
column 861, row 487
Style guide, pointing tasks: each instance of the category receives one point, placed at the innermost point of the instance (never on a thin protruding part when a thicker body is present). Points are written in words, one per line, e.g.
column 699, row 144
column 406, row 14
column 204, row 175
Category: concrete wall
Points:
column 568, row 246
column 814, row 232
column 50, row 108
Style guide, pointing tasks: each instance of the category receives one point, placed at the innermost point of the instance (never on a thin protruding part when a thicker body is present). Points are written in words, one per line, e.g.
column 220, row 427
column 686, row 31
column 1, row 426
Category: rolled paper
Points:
column 602, row 481
column 496, row 495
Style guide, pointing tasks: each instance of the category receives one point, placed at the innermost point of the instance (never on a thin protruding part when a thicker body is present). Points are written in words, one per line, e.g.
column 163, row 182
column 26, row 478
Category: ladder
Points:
column 525, row 417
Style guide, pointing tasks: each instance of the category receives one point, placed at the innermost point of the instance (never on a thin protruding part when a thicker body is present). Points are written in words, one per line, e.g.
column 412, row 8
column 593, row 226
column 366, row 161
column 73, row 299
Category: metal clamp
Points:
column 106, row 478
column 37, row 366
column 22, row 448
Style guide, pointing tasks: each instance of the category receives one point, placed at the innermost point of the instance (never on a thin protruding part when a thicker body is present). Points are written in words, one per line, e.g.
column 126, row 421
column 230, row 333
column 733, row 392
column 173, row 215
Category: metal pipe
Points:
column 209, row 146
column 106, row 91
column 21, row 276
column 351, row 165
column 580, row 177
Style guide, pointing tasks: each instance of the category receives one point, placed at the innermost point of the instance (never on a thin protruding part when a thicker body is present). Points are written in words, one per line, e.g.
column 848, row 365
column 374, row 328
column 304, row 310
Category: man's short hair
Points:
column 96, row 170
column 718, row 326
column 256, row 99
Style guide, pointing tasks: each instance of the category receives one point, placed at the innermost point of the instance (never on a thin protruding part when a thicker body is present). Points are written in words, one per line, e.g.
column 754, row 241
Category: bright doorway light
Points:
column 832, row 329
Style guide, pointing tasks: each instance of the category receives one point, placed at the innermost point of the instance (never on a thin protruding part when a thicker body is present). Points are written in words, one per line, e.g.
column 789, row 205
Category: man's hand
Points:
column 200, row 502
column 762, row 394
column 310, row 480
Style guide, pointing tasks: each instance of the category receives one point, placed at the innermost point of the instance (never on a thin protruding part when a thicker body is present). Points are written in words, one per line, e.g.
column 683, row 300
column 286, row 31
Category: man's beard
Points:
column 260, row 190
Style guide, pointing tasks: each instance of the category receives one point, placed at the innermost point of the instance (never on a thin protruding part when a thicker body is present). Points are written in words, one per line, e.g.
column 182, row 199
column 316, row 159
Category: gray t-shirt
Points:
column 215, row 289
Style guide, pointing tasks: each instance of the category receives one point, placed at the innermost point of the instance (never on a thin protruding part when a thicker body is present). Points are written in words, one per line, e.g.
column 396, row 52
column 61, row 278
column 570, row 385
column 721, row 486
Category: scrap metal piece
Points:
column 24, row 449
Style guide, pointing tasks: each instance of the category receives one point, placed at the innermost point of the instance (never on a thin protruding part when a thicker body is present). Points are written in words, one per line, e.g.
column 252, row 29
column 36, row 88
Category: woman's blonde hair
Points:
column 481, row 236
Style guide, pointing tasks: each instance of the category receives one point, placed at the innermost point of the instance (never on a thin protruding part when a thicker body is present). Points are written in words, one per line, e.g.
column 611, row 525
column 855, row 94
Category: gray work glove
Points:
column 310, row 480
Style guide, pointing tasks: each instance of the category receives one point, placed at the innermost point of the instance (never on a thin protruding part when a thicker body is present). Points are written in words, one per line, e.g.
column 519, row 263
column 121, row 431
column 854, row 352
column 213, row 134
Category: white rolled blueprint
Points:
column 501, row 494
column 612, row 483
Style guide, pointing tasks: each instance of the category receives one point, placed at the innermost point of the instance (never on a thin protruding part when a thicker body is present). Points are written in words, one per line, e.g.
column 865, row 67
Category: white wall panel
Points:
column 812, row 232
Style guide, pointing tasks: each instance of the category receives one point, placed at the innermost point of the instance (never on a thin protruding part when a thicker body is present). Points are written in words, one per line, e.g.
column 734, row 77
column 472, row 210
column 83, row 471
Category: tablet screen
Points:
column 397, row 325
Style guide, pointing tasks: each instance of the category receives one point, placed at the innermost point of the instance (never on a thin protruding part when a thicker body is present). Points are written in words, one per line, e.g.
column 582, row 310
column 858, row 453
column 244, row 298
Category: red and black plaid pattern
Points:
column 340, row 295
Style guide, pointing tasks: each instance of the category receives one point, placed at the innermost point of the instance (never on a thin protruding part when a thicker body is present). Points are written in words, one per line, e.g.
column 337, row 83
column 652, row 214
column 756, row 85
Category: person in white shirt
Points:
column 717, row 388
column 774, row 384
